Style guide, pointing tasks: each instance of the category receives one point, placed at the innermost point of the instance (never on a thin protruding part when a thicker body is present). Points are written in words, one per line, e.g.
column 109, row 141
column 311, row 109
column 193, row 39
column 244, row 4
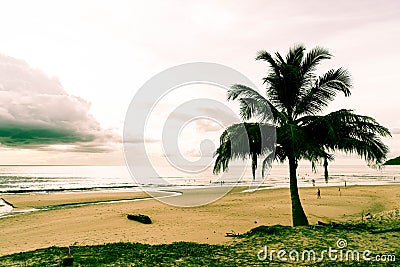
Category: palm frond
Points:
column 267, row 163
column 280, row 153
column 280, row 58
column 264, row 55
column 325, row 89
column 284, row 83
column 242, row 141
column 313, row 58
column 295, row 55
column 338, row 79
column 253, row 104
column 345, row 131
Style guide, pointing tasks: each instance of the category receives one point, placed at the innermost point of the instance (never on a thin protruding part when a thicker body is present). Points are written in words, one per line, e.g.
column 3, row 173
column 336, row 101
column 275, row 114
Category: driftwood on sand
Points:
column 140, row 218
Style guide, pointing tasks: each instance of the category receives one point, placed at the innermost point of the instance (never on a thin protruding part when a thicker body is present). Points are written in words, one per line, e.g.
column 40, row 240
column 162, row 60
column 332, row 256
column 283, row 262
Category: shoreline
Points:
column 155, row 193
column 302, row 183
column 237, row 212
column 57, row 190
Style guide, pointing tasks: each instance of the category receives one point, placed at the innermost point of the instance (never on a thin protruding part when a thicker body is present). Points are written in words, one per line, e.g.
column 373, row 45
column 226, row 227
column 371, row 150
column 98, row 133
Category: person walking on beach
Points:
column 319, row 193
column 340, row 193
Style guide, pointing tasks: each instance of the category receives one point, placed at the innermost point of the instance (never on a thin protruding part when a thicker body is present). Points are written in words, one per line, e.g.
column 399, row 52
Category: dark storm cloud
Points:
column 35, row 112
column 19, row 134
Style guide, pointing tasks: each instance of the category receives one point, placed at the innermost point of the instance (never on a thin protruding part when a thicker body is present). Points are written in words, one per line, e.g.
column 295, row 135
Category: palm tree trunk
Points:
column 298, row 216
column 326, row 170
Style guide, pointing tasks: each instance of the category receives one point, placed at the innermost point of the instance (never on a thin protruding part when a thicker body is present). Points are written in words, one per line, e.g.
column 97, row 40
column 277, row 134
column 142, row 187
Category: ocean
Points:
column 24, row 179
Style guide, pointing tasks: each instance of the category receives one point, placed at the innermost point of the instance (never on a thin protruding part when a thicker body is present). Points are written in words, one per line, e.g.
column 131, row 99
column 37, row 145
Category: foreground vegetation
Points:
column 379, row 234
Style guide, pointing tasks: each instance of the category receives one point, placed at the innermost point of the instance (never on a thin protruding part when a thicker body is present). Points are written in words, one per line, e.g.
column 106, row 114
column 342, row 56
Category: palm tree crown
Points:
column 295, row 98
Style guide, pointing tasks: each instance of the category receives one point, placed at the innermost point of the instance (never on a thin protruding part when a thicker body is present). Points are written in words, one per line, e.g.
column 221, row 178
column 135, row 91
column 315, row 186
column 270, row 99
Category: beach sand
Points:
column 238, row 212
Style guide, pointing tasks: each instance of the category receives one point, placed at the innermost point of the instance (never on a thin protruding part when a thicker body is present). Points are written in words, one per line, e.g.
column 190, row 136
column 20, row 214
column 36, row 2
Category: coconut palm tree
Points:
column 295, row 97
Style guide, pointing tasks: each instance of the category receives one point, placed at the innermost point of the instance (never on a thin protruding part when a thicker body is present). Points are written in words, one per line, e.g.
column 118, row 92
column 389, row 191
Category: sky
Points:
column 69, row 69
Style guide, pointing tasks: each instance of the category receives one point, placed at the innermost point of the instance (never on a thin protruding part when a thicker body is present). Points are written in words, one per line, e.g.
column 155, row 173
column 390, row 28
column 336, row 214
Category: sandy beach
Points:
column 237, row 212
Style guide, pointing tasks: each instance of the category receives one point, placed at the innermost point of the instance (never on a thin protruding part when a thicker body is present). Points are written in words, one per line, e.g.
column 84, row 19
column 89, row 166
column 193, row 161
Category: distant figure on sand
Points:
column 319, row 193
column 345, row 184
column 340, row 193
column 313, row 182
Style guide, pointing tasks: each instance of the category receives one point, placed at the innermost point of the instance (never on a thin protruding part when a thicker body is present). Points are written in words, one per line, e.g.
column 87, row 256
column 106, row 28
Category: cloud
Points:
column 204, row 125
column 395, row 131
column 36, row 112
column 19, row 134
column 137, row 140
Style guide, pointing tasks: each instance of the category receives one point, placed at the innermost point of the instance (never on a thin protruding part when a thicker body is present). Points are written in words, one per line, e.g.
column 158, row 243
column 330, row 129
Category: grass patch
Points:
column 242, row 252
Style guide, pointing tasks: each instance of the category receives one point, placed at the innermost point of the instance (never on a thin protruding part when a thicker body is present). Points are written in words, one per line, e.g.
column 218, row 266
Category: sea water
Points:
column 20, row 179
